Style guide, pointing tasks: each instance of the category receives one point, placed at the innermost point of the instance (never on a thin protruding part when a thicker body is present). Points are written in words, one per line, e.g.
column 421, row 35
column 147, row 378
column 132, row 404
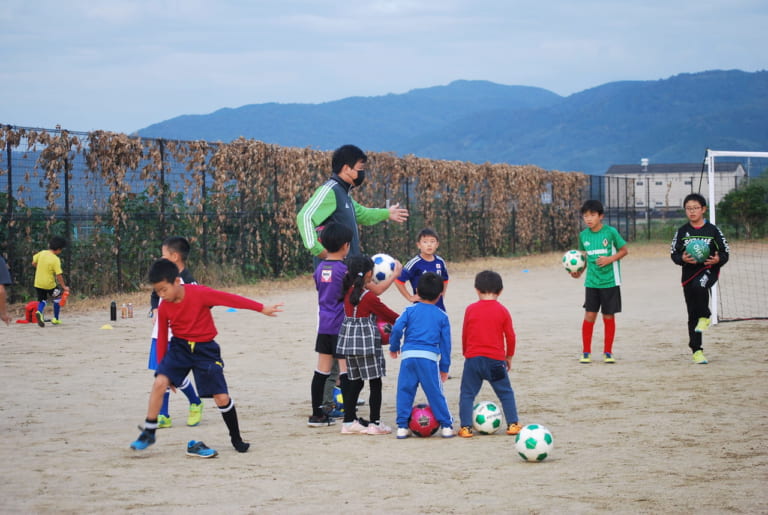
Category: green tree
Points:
column 746, row 209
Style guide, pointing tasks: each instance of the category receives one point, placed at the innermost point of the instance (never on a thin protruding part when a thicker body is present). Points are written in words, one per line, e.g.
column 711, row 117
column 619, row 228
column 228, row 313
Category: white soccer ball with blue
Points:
column 573, row 261
column 383, row 267
column 486, row 417
column 534, row 443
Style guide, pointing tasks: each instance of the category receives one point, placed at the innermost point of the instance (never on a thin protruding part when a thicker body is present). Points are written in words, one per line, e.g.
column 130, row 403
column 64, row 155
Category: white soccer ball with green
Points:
column 534, row 443
column 486, row 417
column 573, row 261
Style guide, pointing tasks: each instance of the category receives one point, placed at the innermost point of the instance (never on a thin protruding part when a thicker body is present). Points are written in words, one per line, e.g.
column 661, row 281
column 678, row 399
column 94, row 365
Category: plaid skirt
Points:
column 366, row 367
column 358, row 337
column 360, row 343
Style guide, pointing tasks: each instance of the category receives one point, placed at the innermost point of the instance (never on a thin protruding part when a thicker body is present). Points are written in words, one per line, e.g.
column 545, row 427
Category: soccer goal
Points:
column 741, row 293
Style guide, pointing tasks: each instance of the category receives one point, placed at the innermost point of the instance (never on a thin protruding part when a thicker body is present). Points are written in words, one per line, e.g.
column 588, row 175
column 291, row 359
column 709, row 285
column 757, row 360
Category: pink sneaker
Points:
column 378, row 429
column 353, row 428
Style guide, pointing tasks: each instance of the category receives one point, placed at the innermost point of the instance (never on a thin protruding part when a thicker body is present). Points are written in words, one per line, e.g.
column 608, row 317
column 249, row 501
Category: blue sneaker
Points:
column 200, row 450
column 144, row 440
column 336, row 413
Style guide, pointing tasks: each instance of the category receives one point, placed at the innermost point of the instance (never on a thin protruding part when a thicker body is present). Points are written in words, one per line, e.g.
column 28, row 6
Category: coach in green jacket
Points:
column 331, row 203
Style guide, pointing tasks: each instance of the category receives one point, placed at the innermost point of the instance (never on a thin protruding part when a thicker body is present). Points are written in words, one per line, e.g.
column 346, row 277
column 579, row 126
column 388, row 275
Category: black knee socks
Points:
column 229, row 413
column 374, row 399
column 317, row 391
column 350, row 398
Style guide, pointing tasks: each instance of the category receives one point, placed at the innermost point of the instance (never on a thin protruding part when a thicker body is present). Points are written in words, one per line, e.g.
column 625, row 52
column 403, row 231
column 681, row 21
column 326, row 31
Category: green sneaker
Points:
column 608, row 358
column 55, row 321
column 163, row 422
column 699, row 358
column 40, row 319
column 195, row 414
column 703, row 325
column 585, row 358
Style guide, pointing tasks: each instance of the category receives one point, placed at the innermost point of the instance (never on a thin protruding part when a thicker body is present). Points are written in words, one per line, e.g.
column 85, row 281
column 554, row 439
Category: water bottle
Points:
column 113, row 311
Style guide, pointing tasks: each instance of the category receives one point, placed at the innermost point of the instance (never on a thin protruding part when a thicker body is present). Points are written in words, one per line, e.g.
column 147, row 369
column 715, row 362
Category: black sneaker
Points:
column 320, row 421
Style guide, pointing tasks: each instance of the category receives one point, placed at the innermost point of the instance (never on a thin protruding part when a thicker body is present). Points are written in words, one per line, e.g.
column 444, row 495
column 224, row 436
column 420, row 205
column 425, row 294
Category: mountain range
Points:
column 671, row 120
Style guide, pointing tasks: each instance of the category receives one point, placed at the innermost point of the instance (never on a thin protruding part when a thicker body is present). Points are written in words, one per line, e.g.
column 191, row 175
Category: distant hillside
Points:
column 670, row 120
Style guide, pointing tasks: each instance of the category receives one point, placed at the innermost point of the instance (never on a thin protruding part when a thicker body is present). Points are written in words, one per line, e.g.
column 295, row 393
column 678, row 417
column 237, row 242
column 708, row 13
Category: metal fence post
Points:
column 9, row 199
column 161, row 143
column 67, row 217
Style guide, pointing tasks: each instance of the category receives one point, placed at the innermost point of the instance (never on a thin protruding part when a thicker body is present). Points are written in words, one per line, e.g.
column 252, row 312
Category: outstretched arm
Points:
column 271, row 311
column 398, row 214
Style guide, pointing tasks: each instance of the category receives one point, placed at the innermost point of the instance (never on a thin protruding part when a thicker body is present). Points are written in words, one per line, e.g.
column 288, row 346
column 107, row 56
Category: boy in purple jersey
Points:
column 329, row 276
column 426, row 261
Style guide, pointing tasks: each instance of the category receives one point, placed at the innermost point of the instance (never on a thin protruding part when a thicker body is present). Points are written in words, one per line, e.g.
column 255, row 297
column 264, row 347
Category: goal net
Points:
column 742, row 290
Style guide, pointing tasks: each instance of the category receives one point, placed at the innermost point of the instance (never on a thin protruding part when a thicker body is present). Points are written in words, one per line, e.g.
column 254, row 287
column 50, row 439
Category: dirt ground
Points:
column 653, row 433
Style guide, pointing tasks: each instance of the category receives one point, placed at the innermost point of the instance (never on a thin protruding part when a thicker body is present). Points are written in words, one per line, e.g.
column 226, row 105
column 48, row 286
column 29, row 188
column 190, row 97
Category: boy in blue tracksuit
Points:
column 425, row 354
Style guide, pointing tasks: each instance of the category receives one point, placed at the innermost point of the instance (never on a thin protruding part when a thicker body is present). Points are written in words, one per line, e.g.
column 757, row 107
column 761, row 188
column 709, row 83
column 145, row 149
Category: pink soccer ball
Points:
column 423, row 422
column 384, row 330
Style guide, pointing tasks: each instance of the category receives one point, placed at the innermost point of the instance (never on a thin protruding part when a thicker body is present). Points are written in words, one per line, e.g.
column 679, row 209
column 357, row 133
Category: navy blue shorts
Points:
column 607, row 300
column 202, row 358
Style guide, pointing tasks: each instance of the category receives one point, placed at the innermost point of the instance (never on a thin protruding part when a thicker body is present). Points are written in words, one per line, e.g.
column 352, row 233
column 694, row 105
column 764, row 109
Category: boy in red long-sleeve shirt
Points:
column 488, row 344
column 186, row 309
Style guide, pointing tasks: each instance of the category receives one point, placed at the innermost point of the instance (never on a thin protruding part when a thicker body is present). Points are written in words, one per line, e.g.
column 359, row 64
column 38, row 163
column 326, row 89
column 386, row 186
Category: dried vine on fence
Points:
column 237, row 203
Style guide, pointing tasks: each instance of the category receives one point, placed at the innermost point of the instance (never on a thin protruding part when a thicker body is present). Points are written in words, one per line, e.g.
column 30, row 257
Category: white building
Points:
column 664, row 186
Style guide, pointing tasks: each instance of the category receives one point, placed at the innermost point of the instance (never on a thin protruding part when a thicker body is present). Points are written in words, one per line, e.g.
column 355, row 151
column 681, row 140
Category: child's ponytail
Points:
column 357, row 267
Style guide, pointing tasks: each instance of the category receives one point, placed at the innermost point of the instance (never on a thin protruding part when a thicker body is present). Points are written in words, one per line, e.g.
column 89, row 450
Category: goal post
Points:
column 711, row 155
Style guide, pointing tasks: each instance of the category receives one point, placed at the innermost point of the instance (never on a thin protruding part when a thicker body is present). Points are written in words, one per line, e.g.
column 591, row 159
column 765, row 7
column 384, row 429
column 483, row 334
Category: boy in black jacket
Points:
column 698, row 278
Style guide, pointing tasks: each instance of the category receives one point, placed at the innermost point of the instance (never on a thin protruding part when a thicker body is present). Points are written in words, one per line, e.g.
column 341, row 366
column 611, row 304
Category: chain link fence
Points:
column 116, row 197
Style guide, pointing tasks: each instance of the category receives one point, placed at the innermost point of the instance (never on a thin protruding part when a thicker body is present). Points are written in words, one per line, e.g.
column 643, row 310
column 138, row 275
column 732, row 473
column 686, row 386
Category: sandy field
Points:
column 653, row 433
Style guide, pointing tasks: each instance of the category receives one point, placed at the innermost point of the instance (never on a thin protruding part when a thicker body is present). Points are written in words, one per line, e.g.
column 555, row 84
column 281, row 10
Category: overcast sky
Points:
column 121, row 65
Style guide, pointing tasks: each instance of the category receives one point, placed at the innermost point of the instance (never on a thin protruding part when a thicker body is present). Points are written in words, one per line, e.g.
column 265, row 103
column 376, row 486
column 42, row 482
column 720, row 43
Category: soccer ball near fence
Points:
column 486, row 417
column 573, row 261
column 534, row 442
column 383, row 267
